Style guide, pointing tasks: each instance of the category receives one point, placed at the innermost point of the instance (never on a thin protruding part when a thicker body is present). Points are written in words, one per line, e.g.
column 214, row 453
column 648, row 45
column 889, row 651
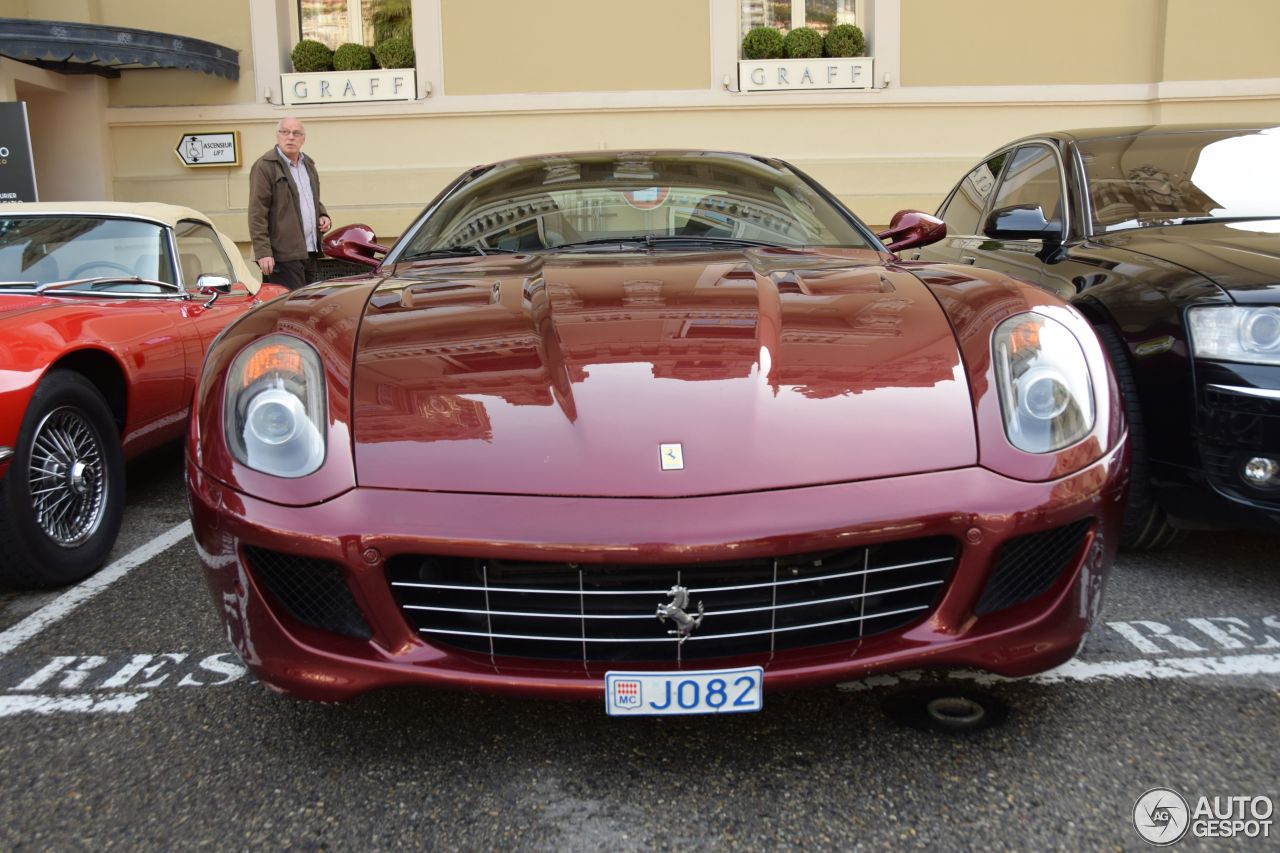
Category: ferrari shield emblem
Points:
column 672, row 457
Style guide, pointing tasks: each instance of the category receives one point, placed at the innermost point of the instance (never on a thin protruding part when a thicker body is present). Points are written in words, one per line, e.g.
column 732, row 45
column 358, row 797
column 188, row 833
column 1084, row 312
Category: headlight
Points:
column 1235, row 333
column 1045, row 391
column 274, row 411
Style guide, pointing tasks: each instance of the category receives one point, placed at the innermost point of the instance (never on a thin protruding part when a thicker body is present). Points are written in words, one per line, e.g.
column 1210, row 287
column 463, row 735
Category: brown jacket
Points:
column 275, row 225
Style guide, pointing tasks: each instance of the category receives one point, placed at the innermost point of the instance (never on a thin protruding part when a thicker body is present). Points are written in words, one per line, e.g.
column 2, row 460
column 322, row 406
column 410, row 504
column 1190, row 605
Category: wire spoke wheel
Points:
column 67, row 477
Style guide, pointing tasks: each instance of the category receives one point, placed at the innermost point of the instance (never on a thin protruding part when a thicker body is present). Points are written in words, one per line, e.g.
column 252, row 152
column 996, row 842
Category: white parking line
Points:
column 1109, row 670
column 118, row 703
column 77, row 595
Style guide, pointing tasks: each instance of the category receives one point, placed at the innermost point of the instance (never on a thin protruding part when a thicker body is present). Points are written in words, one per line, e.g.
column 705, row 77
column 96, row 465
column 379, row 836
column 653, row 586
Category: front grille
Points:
column 1221, row 399
column 312, row 591
column 608, row 612
column 1028, row 565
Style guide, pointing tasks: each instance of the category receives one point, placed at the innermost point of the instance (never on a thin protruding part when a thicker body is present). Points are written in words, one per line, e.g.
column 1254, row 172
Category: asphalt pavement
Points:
column 127, row 722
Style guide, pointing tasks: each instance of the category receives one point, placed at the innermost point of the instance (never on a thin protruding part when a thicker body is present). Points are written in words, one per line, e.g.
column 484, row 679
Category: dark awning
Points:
column 92, row 49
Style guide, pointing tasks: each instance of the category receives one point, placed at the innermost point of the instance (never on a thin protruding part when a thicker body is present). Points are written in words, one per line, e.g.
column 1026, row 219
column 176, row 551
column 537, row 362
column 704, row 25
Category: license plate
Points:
column 721, row 691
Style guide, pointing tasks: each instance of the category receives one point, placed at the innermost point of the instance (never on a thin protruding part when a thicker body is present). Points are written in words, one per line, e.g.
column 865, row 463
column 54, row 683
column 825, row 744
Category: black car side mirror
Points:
column 1021, row 222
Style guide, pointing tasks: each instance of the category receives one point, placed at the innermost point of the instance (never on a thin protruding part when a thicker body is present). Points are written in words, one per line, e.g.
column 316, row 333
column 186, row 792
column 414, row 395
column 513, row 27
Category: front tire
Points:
column 1146, row 526
column 62, row 499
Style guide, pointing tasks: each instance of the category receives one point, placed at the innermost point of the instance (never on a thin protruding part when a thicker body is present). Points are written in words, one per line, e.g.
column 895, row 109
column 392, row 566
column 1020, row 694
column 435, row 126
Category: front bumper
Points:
column 363, row 528
column 1237, row 418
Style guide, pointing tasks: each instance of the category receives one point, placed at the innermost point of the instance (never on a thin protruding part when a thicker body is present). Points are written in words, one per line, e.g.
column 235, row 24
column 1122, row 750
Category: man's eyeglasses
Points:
column 297, row 133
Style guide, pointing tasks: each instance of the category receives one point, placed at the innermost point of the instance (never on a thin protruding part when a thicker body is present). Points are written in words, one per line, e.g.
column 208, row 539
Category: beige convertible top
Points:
column 164, row 214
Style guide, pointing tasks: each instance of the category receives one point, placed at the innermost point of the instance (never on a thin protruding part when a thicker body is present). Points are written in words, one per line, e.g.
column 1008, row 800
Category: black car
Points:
column 1168, row 239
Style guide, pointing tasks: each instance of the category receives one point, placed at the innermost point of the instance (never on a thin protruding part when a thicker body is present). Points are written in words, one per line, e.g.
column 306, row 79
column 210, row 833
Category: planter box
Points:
column 348, row 87
column 802, row 75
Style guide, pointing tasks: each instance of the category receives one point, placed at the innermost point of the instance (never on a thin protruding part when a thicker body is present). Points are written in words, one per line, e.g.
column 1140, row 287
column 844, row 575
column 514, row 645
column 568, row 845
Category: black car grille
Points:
column 1217, row 462
column 1220, row 399
column 608, row 612
column 314, row 592
column 1028, row 565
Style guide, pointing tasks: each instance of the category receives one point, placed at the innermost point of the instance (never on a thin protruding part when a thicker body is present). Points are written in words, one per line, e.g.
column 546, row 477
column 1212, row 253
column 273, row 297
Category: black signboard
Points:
column 17, row 168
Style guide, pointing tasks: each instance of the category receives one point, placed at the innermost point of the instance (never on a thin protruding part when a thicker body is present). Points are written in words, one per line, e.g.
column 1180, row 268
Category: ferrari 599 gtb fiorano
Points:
column 664, row 430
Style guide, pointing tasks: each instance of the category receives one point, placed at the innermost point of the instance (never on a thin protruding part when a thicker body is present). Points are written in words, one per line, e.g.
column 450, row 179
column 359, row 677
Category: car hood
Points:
column 564, row 375
column 1243, row 258
column 17, row 305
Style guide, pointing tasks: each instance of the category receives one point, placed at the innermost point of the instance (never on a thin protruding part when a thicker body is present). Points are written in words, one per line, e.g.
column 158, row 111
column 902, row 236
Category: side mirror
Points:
column 1021, row 222
column 354, row 243
column 911, row 228
column 210, row 283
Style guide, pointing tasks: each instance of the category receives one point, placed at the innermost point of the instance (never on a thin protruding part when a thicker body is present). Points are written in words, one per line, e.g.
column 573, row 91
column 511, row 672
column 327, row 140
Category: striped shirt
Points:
column 306, row 201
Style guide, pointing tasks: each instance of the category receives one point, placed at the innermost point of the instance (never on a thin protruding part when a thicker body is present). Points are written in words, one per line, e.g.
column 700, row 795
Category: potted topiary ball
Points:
column 762, row 43
column 352, row 57
column 802, row 43
column 844, row 40
column 395, row 53
column 311, row 55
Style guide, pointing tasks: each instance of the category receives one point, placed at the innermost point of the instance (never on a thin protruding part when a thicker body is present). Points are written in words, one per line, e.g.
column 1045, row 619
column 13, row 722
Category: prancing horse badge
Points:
column 672, row 457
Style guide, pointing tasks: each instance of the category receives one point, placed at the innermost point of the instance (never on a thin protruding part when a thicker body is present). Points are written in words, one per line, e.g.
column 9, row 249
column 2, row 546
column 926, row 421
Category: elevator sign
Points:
column 218, row 148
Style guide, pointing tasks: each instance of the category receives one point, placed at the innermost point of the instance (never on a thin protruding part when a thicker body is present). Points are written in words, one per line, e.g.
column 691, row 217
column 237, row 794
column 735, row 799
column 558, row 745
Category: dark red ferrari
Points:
column 663, row 429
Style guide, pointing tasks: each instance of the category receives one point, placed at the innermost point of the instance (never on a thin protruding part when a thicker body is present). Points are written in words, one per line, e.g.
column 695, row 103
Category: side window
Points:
column 962, row 210
column 1032, row 179
column 200, row 253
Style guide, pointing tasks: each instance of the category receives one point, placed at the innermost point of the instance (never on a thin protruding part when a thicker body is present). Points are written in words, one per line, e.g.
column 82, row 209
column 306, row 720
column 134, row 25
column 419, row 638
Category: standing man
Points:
column 286, row 218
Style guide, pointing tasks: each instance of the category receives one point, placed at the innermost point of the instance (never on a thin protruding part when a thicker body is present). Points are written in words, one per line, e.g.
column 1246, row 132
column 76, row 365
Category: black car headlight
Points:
column 274, row 410
column 1046, row 394
column 1235, row 333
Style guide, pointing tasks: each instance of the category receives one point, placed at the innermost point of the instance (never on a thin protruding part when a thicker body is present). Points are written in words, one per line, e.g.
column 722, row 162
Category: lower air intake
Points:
column 312, row 591
column 1028, row 565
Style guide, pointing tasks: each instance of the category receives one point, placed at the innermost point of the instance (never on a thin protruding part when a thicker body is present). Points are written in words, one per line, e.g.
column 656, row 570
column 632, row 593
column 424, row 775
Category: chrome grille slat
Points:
column 692, row 590
column 605, row 612
column 531, row 614
column 703, row 637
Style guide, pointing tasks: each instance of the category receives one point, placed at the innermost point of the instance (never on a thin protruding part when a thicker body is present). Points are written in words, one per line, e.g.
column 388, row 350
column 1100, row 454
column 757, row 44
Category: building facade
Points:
column 941, row 84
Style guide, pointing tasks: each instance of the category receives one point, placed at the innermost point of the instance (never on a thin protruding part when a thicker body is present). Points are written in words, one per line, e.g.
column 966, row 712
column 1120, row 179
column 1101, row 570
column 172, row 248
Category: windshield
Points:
column 1171, row 178
column 45, row 249
column 663, row 200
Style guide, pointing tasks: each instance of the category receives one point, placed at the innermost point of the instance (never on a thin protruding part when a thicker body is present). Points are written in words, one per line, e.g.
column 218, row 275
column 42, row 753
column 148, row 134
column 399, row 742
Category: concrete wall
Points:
column 225, row 23
column 1227, row 40
column 997, row 42
column 609, row 45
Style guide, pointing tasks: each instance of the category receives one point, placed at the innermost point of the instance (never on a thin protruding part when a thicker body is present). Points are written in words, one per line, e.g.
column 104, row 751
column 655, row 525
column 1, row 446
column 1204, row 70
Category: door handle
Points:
column 967, row 259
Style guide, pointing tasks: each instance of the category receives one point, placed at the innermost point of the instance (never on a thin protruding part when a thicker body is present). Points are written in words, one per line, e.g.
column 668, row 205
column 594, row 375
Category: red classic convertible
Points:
column 106, row 311
column 666, row 429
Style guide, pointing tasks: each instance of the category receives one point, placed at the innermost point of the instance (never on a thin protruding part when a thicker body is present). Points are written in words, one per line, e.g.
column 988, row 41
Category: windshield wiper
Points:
column 1196, row 220
column 73, row 286
column 653, row 241
column 620, row 242
column 675, row 239
column 458, row 252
